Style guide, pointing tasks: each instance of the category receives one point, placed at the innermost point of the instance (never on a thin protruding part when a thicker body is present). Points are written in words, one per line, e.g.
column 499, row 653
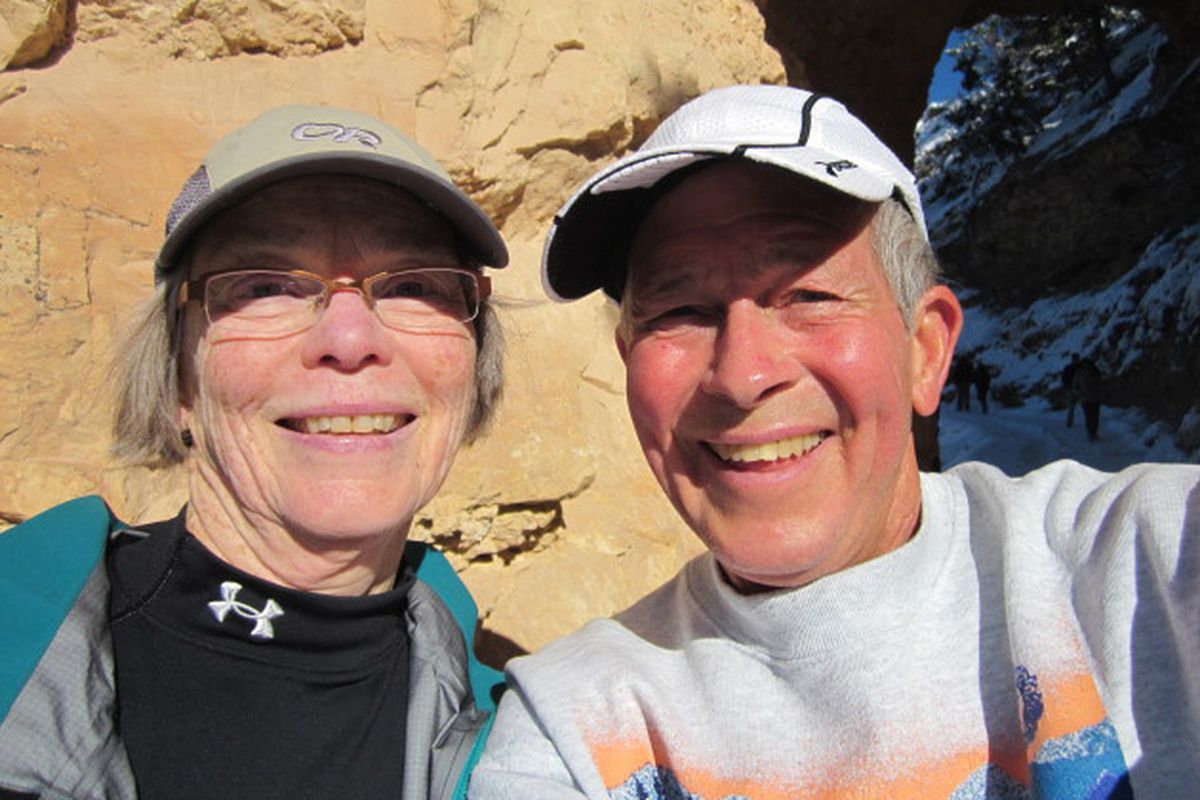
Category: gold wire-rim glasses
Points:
column 439, row 308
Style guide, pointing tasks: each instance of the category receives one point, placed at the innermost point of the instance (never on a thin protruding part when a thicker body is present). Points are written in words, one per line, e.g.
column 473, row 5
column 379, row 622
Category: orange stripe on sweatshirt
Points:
column 1071, row 703
column 618, row 761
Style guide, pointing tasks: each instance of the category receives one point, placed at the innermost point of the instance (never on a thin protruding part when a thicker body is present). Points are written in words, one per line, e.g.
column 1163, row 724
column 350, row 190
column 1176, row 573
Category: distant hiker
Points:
column 1086, row 386
column 1068, row 375
column 982, row 377
column 962, row 375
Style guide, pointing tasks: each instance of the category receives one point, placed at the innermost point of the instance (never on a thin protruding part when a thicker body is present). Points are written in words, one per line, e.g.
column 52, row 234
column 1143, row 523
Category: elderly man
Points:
column 318, row 348
column 857, row 628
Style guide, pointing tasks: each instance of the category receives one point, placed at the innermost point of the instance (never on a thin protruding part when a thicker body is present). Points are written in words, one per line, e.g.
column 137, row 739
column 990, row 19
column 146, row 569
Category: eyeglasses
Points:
column 259, row 302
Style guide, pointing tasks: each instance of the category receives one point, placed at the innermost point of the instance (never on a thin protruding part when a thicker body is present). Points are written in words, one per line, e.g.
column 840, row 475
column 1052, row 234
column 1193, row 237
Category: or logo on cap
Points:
column 834, row 167
column 310, row 131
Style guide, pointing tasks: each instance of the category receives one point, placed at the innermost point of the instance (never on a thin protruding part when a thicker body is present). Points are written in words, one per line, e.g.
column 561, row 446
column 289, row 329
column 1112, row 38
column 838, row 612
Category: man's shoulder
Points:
column 657, row 620
column 659, row 617
column 1068, row 477
column 1065, row 505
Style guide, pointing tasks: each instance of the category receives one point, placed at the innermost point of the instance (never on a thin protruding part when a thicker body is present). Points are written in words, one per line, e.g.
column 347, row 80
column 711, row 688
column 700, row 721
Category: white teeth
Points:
column 767, row 451
column 360, row 423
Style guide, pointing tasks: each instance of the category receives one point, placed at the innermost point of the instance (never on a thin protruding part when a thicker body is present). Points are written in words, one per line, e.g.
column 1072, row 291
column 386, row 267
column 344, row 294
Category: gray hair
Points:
column 909, row 263
column 145, row 371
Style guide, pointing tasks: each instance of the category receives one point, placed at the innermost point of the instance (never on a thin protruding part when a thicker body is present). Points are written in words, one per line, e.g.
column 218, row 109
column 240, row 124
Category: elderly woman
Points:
column 319, row 346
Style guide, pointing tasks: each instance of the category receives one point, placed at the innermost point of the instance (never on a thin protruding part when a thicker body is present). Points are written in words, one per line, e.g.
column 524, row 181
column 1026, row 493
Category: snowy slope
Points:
column 952, row 180
column 1029, row 347
column 1116, row 325
column 1018, row 440
column 1113, row 325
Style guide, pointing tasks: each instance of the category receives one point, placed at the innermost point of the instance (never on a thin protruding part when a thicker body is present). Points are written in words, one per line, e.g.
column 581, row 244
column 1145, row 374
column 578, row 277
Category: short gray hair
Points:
column 909, row 263
column 145, row 370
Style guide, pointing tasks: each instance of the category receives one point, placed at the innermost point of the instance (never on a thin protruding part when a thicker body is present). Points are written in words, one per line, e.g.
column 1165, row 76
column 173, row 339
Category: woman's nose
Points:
column 347, row 334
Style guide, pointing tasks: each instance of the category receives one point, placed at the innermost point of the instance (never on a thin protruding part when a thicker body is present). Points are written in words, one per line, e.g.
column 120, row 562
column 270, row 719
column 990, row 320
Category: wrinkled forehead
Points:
column 316, row 209
column 736, row 202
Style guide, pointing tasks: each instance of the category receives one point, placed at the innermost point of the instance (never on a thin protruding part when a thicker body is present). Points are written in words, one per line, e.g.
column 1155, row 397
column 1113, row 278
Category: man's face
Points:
column 771, row 378
column 341, row 432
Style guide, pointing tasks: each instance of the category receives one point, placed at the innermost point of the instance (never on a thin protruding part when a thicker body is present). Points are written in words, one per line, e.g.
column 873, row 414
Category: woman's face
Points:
column 338, row 433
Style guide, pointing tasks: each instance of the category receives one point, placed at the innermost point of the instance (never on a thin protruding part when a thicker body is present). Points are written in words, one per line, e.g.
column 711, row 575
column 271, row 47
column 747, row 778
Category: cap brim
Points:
column 474, row 226
column 590, row 237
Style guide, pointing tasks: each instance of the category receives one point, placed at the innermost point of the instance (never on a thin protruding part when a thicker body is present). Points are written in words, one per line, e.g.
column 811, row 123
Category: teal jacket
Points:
column 58, row 737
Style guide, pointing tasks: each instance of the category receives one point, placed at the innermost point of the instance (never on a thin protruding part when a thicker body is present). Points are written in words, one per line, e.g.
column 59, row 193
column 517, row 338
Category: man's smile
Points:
column 777, row 450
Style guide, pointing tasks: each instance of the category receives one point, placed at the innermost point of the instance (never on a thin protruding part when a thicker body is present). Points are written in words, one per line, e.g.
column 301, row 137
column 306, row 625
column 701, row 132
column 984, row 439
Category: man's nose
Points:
column 347, row 334
column 750, row 360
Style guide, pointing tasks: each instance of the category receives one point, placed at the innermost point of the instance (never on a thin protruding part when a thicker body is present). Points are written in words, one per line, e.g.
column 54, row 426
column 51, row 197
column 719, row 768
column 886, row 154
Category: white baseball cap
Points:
column 306, row 140
column 809, row 134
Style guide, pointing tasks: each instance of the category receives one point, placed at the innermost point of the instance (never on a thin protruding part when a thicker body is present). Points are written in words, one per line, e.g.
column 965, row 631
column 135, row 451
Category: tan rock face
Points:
column 205, row 29
column 552, row 519
column 29, row 29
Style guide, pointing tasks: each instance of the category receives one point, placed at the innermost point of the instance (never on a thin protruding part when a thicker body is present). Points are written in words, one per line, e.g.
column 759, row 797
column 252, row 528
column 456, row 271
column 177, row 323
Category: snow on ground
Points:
column 1029, row 346
column 1018, row 440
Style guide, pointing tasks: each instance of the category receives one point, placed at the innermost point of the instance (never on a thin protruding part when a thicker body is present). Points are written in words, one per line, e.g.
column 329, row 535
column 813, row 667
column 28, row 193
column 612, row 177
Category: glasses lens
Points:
column 261, row 301
column 425, row 298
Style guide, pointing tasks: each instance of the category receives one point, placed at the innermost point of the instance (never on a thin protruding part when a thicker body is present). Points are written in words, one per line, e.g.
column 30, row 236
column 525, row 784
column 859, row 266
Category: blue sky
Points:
column 946, row 83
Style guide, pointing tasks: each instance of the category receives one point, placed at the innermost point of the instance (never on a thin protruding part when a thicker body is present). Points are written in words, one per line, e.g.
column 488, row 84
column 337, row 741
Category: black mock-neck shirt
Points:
column 232, row 686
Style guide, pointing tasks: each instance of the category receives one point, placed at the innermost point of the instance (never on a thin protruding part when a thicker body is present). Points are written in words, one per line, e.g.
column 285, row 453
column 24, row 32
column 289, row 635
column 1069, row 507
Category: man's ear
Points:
column 936, row 325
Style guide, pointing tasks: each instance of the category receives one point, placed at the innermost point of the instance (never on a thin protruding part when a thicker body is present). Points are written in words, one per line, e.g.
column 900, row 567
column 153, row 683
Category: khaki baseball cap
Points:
column 305, row 140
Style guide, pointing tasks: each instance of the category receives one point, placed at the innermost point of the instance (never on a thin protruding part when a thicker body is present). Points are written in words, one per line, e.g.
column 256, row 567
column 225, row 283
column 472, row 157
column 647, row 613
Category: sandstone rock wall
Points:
column 554, row 518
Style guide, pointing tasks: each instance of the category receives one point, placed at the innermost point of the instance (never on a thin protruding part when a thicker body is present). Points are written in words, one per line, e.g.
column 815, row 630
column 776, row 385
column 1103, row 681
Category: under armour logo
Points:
column 229, row 602
column 308, row 131
column 834, row 167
